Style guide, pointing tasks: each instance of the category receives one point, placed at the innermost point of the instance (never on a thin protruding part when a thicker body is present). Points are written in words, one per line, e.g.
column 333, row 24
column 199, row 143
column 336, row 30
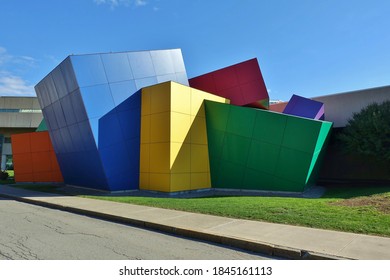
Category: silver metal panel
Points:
column 59, row 82
column 166, row 78
column 141, row 64
column 50, row 117
column 78, row 106
column 162, row 62
column 141, row 83
column 121, row 91
column 59, row 114
column 42, row 94
column 117, row 67
column 51, row 89
column 89, row 70
column 181, row 78
column 177, row 60
column 97, row 100
column 68, row 74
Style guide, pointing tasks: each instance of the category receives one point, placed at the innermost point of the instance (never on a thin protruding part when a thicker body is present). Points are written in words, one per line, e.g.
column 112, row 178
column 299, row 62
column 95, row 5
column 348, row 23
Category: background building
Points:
column 17, row 115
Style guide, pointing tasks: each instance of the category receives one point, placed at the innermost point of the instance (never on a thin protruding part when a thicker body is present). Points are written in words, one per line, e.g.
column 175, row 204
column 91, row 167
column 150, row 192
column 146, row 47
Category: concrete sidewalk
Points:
column 287, row 241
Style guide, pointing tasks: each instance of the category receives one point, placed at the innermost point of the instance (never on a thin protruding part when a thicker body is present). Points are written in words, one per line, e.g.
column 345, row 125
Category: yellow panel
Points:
column 197, row 97
column 159, row 158
column 145, row 101
column 180, row 127
column 198, row 132
column 160, row 127
column 200, row 181
column 180, row 99
column 144, row 157
column 180, row 158
column 145, row 129
column 199, row 158
column 161, row 98
column 160, row 182
column 144, row 181
column 180, row 182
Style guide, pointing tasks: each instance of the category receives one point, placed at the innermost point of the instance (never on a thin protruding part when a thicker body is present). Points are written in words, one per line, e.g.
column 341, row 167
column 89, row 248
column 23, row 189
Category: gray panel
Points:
column 88, row 70
column 69, row 76
column 59, row 114
column 162, row 62
column 97, row 100
column 117, row 67
column 182, row 78
column 42, row 94
column 67, row 108
column 59, row 83
column 121, row 91
column 141, row 64
column 51, row 89
column 166, row 78
column 141, row 83
column 78, row 106
column 177, row 60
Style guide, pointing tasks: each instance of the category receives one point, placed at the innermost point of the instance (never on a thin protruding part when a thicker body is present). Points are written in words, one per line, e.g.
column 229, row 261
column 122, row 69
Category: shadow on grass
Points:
column 350, row 191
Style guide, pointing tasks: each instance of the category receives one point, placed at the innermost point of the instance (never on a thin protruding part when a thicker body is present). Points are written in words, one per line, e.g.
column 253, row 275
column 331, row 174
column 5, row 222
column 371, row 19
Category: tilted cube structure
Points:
column 305, row 107
column 34, row 158
column 263, row 150
column 241, row 83
column 83, row 89
column 174, row 150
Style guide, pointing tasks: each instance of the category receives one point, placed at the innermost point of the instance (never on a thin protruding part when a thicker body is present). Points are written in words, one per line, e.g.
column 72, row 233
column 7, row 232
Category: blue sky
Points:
column 305, row 47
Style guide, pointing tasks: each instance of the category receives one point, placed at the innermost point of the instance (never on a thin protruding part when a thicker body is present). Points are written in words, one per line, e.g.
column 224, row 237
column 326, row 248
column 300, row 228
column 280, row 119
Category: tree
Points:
column 368, row 132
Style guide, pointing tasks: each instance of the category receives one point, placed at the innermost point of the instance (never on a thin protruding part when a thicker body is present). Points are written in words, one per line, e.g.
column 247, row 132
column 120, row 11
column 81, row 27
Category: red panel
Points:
column 278, row 107
column 245, row 78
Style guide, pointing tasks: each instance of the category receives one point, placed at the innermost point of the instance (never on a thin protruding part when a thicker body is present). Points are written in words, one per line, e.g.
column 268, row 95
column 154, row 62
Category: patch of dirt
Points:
column 381, row 203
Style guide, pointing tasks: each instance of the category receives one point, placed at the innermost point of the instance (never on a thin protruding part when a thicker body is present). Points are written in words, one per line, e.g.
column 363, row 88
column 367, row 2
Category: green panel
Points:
column 241, row 121
column 293, row 165
column 257, row 180
column 217, row 114
column 288, row 186
column 215, row 142
column 230, row 176
column 269, row 127
column 42, row 126
column 319, row 153
column 263, row 156
column 301, row 134
column 236, row 148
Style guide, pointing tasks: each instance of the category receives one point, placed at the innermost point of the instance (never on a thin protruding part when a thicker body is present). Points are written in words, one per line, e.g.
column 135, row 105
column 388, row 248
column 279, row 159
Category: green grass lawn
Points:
column 344, row 208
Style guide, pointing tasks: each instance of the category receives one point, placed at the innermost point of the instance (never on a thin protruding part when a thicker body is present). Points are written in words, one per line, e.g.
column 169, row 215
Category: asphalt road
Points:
column 32, row 232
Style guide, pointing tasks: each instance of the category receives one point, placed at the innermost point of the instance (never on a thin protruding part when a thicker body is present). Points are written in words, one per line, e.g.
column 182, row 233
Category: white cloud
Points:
column 116, row 3
column 11, row 85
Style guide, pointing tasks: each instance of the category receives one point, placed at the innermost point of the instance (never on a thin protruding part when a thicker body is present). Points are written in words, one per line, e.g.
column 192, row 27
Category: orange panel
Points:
column 28, row 177
column 21, row 143
column 41, row 162
column 40, row 141
column 278, row 107
column 43, row 177
column 22, row 163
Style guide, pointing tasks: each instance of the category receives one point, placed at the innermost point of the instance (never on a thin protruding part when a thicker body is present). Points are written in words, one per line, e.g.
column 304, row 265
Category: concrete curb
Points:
column 248, row 245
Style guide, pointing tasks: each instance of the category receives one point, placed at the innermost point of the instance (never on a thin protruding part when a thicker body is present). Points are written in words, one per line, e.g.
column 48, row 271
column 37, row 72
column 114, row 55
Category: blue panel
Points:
column 162, row 62
column 50, row 117
column 67, row 108
column 69, row 76
column 42, row 94
column 78, row 106
column 59, row 142
column 59, row 114
column 141, row 64
column 177, row 60
column 117, row 67
column 59, row 81
column 113, row 134
column 67, row 140
column 121, row 91
column 131, row 103
column 115, row 159
column 77, row 139
column 130, row 123
column 86, row 136
column 89, row 70
column 94, row 123
column 97, row 100
column 141, row 83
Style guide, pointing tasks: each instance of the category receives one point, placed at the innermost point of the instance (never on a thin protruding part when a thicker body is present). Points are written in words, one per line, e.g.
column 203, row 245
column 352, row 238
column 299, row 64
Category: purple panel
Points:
column 304, row 107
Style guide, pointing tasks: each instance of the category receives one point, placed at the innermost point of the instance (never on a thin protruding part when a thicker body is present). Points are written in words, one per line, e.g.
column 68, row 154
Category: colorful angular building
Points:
column 132, row 120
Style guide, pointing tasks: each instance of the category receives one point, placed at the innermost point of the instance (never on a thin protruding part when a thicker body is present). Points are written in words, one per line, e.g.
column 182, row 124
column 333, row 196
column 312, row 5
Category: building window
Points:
column 7, row 140
column 5, row 110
